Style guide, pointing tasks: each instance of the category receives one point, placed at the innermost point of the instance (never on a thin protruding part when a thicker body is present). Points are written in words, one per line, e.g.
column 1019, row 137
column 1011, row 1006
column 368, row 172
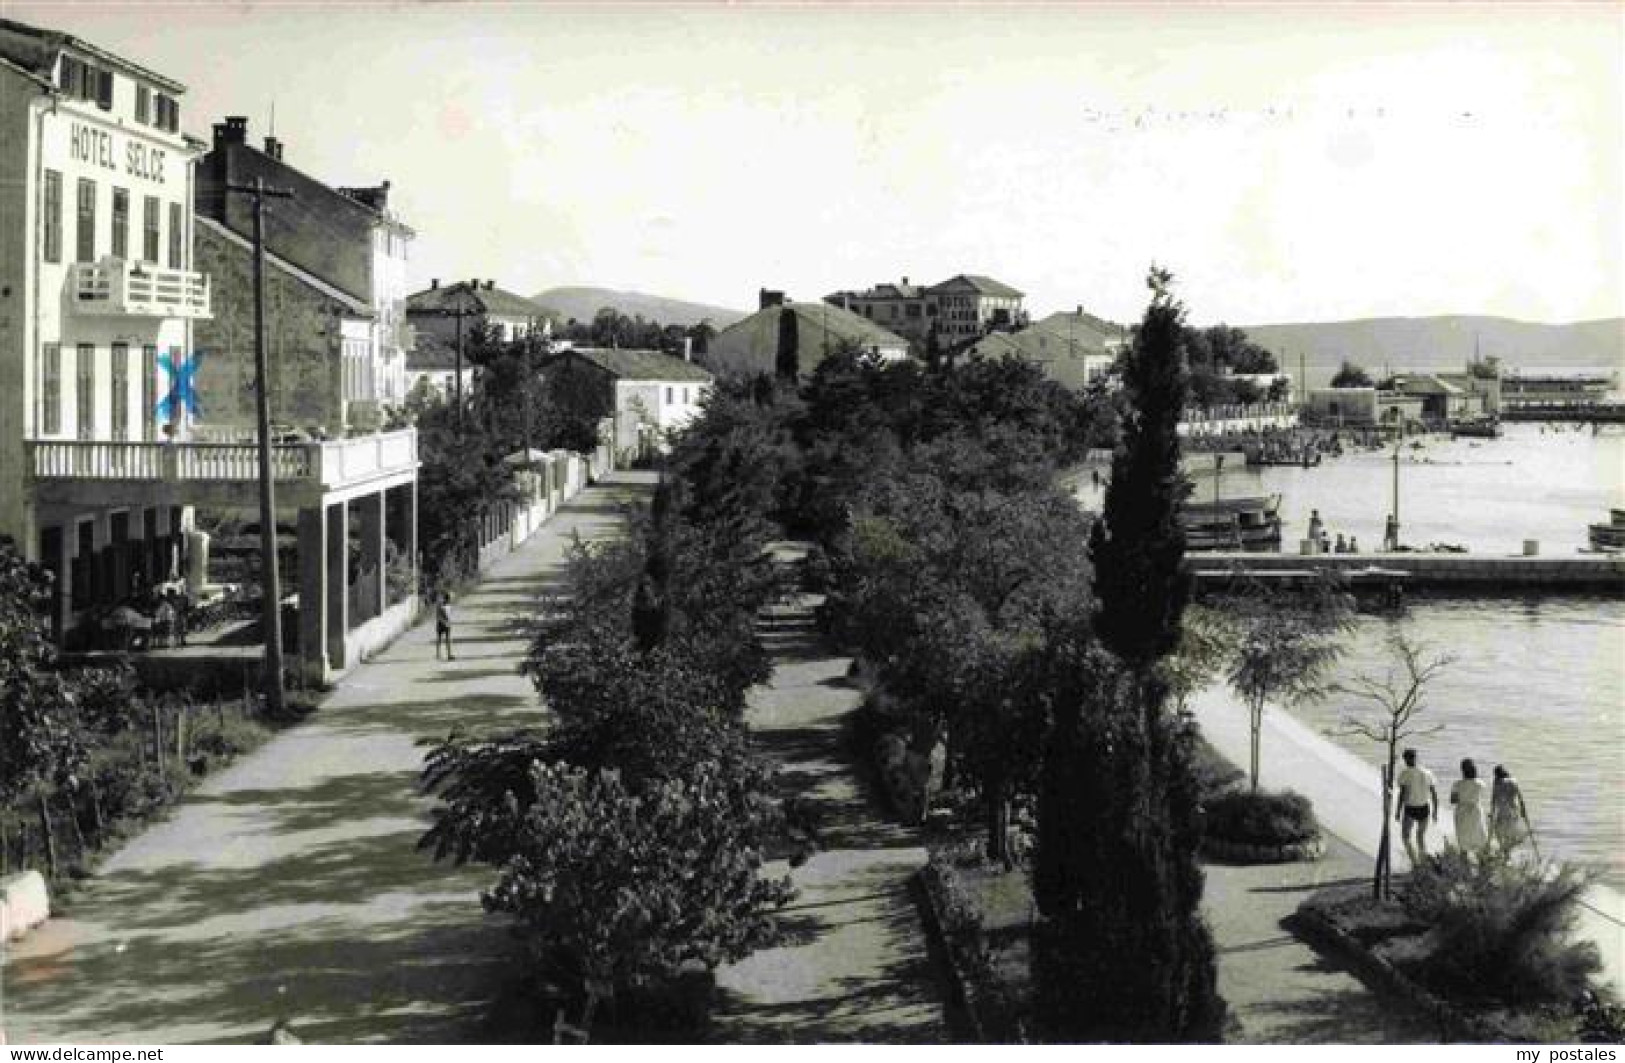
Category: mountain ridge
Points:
column 582, row 302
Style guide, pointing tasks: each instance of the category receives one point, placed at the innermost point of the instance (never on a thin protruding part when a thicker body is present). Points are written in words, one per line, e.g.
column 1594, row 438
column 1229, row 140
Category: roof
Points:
column 639, row 364
column 1065, row 359
column 351, row 304
column 35, row 51
column 977, row 283
column 1426, row 384
column 470, row 295
column 1076, row 322
column 751, row 346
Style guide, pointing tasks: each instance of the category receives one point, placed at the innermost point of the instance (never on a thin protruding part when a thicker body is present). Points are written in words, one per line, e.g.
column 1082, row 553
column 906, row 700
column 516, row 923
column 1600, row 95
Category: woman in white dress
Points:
column 1507, row 812
column 1468, row 795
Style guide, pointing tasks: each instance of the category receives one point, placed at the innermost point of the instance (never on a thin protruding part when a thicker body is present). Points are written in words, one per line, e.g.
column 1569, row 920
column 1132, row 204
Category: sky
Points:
column 1289, row 162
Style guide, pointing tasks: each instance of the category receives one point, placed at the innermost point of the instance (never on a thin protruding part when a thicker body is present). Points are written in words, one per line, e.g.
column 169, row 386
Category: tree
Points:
column 787, row 360
column 1206, row 641
column 1350, row 375
column 1138, row 546
column 1287, row 641
column 575, row 400
column 614, row 886
column 1122, row 953
column 1399, row 699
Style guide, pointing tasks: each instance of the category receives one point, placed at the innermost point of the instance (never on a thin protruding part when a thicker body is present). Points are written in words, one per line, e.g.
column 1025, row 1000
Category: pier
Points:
column 1584, row 412
column 1454, row 572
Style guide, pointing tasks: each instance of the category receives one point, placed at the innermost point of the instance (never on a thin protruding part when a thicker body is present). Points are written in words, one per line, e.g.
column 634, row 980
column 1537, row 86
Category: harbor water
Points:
column 1537, row 681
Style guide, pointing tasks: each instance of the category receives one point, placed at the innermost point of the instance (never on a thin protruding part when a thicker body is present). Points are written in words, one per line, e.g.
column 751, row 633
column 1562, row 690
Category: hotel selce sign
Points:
column 100, row 147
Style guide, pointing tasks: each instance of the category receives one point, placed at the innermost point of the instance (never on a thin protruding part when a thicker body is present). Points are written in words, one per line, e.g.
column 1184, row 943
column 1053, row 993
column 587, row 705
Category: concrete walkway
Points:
column 288, row 886
column 854, row 967
column 1244, row 907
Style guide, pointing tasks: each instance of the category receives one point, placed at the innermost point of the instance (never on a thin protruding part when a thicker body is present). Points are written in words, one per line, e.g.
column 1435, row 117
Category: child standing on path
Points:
column 442, row 628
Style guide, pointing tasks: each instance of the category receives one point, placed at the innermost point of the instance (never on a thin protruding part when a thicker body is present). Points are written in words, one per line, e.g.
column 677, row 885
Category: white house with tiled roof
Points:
column 654, row 392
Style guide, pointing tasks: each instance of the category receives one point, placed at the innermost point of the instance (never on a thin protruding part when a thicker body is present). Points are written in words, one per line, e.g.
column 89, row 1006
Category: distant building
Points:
column 1448, row 397
column 1074, row 348
column 1364, row 407
column 813, row 331
column 344, row 238
column 654, row 392
column 956, row 311
column 434, row 311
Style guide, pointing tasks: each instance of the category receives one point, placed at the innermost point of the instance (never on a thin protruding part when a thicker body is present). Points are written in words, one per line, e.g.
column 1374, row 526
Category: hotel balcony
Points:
column 195, row 473
column 117, row 286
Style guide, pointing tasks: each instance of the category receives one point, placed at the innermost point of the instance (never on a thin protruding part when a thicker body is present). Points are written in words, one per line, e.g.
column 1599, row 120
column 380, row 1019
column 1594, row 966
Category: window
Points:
column 168, row 113
column 85, row 251
column 149, row 234
column 50, row 392
column 121, row 391
column 85, row 393
column 104, row 89
column 176, row 231
column 143, row 105
column 121, row 223
column 669, row 399
column 149, row 392
column 53, row 216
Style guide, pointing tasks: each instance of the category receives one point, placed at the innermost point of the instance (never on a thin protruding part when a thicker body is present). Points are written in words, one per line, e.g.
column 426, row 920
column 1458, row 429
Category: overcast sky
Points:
column 1288, row 162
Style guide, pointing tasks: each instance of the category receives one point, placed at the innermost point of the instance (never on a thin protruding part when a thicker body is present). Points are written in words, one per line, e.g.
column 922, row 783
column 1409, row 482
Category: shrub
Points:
column 1261, row 817
column 1213, row 772
column 1500, row 927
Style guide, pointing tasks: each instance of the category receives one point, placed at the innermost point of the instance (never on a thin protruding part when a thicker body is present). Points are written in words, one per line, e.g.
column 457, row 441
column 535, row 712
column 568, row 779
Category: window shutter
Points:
column 104, row 89
column 143, row 105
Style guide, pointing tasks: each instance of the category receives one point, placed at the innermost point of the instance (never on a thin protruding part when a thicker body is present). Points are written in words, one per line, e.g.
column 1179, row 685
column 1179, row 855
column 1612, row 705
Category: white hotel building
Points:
column 97, row 292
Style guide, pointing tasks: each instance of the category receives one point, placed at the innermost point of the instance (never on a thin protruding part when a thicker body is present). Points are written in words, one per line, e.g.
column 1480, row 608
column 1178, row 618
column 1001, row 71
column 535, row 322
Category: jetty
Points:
column 1466, row 573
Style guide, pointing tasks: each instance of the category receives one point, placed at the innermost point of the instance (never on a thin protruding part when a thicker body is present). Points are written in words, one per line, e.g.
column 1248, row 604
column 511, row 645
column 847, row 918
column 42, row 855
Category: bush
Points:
column 1214, row 773
column 1500, row 927
column 1261, row 817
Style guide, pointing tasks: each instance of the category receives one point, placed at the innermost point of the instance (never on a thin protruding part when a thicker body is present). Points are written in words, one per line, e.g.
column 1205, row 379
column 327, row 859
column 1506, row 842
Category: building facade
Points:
column 98, row 295
column 654, row 393
column 345, row 239
column 951, row 314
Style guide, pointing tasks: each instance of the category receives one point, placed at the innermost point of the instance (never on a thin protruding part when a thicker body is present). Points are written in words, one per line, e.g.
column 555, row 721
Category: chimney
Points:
column 234, row 130
column 1080, row 309
column 434, row 283
column 489, row 284
column 905, row 282
column 767, row 297
column 273, row 148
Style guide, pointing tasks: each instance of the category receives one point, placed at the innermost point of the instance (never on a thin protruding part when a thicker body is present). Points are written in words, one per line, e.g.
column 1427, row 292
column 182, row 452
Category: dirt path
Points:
column 288, row 885
column 854, row 966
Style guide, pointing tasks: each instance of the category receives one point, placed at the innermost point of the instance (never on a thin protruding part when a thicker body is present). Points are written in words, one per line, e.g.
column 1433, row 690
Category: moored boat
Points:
column 1483, row 428
column 1610, row 536
column 1249, row 523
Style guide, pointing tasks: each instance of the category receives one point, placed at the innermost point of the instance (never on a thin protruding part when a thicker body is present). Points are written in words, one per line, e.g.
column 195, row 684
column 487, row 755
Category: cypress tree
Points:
column 787, row 364
column 1122, row 953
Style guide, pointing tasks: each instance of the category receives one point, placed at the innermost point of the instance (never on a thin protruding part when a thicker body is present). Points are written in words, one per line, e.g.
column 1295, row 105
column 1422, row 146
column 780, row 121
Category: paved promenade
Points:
column 287, row 886
column 1346, row 792
column 854, row 966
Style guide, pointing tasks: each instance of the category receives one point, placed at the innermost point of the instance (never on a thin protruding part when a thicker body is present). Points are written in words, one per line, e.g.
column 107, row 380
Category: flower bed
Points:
column 1481, row 942
column 1257, row 827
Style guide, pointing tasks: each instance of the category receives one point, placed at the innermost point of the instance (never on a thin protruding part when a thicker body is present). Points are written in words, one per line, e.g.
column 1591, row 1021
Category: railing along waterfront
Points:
column 330, row 463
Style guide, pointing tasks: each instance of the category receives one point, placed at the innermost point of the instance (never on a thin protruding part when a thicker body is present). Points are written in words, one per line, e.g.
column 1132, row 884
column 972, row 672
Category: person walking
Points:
column 1467, row 795
column 1418, row 806
column 442, row 627
column 1509, row 819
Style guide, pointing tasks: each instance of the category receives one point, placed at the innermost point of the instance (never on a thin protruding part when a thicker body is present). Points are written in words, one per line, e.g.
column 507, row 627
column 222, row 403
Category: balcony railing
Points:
column 328, row 464
column 116, row 286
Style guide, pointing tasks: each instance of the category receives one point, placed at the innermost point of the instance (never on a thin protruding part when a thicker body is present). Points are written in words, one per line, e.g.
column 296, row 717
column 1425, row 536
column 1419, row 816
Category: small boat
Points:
column 1610, row 537
column 1483, row 428
column 1250, row 523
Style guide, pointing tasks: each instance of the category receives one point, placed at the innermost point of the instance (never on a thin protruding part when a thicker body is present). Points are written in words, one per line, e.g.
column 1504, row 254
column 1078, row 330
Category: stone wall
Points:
column 304, row 334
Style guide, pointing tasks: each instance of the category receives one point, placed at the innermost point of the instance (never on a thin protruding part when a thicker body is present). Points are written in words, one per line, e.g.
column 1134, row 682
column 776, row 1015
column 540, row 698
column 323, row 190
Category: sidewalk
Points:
column 854, row 966
column 1346, row 792
column 288, row 886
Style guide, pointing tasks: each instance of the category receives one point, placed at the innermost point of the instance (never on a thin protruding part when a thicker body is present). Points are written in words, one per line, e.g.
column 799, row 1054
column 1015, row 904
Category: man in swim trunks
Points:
column 1418, row 805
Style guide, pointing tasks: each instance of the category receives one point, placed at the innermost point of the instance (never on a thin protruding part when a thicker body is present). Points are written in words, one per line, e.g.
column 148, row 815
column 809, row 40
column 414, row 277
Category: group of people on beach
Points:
column 1323, row 541
column 1506, row 825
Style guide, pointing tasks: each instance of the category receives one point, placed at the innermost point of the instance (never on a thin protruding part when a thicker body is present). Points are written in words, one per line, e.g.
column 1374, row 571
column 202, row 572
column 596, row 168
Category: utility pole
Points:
column 461, row 312
column 272, row 589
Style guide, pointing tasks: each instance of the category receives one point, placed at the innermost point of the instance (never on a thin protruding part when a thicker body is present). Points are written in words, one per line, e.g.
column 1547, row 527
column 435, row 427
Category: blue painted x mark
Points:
column 182, row 389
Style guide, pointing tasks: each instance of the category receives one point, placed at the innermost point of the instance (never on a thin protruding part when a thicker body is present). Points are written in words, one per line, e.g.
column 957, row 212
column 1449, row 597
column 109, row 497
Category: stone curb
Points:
column 958, row 982
column 1234, row 852
column 1320, row 929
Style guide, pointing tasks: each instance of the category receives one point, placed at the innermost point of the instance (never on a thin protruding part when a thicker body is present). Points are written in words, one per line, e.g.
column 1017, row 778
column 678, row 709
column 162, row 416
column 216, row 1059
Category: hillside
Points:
column 583, row 303
column 1443, row 342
